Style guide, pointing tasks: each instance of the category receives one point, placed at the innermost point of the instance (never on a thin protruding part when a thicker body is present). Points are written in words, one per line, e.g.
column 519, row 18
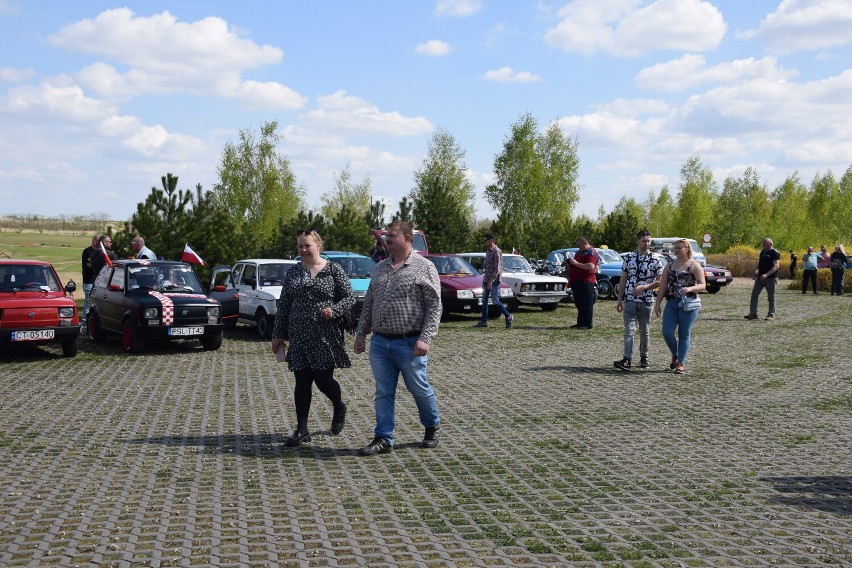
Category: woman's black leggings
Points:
column 325, row 382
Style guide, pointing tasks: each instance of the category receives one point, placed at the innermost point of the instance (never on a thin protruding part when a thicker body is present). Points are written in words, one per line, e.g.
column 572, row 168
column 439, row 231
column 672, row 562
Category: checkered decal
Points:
column 168, row 308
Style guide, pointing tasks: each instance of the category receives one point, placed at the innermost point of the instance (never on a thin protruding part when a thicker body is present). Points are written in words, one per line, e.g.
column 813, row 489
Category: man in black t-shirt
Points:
column 88, row 277
column 765, row 276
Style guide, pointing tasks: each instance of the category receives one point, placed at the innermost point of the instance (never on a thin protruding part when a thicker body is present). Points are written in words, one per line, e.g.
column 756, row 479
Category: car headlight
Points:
column 150, row 313
column 213, row 312
column 464, row 294
column 66, row 312
column 506, row 292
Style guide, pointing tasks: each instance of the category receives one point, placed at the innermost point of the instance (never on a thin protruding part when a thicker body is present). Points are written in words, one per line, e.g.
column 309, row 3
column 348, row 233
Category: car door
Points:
column 247, row 289
column 113, row 300
column 222, row 288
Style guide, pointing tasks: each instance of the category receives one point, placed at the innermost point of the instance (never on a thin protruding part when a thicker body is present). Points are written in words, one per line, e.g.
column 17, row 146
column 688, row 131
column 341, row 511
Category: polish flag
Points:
column 190, row 256
column 106, row 256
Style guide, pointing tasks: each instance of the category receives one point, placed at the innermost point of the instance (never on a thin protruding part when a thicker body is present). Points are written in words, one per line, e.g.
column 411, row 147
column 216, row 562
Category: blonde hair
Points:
column 685, row 243
column 310, row 233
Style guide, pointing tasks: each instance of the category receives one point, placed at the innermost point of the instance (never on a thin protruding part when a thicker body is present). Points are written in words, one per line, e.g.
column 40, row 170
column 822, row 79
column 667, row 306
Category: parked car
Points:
column 143, row 300
column 609, row 268
column 715, row 276
column 34, row 308
column 529, row 288
column 359, row 268
column 461, row 285
column 258, row 284
column 664, row 244
column 380, row 251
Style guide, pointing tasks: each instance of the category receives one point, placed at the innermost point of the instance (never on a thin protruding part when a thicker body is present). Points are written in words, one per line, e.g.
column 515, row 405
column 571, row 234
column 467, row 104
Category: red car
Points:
column 461, row 285
column 34, row 308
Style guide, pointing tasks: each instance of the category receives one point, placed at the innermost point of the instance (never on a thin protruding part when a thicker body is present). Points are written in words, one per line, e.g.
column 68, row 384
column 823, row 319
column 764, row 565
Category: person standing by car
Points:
column 640, row 274
column 765, row 276
column 88, row 277
column 137, row 245
column 683, row 278
column 314, row 295
column 810, row 262
column 824, row 257
column 491, row 281
column 582, row 278
column 793, row 261
column 98, row 259
column 402, row 309
column 838, row 265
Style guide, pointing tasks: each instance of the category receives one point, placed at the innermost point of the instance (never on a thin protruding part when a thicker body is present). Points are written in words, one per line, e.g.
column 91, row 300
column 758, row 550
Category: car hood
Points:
column 22, row 300
column 472, row 282
column 532, row 278
column 177, row 298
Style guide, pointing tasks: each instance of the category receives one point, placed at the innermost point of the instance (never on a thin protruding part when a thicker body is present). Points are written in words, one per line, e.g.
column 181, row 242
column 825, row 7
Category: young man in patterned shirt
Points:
column 402, row 309
column 640, row 274
column 491, row 281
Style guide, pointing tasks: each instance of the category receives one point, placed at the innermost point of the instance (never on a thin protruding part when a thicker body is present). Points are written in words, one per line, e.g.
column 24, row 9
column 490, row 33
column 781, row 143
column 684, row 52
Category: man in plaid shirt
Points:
column 402, row 309
column 491, row 281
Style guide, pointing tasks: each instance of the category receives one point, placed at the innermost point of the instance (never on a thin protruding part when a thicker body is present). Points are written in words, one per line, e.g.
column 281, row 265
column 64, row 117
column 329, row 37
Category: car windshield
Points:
column 609, row 255
column 516, row 264
column 453, row 266
column 164, row 278
column 356, row 267
column 272, row 274
column 28, row 277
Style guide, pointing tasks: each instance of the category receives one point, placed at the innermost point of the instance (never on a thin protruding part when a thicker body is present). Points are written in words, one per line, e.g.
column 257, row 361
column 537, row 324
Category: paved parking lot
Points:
column 548, row 455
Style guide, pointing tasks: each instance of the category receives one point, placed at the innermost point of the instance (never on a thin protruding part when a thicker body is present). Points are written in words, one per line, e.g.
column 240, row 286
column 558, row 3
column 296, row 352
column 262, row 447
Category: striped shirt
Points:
column 403, row 300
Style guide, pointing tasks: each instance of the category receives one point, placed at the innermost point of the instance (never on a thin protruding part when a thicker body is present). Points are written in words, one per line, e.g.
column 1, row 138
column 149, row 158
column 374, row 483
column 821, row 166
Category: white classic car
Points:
column 530, row 288
column 258, row 282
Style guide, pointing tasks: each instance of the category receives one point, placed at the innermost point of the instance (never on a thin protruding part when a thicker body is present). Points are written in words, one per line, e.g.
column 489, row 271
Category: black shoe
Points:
column 643, row 362
column 751, row 317
column 298, row 437
column 481, row 324
column 429, row 439
column 509, row 321
column 623, row 364
column 377, row 446
column 674, row 362
column 339, row 420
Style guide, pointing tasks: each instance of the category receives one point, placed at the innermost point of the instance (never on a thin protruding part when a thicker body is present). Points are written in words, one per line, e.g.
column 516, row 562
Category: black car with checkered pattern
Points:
column 153, row 300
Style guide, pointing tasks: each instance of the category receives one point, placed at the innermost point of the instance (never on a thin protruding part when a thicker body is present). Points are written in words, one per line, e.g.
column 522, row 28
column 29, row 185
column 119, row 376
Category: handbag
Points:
column 690, row 304
column 347, row 322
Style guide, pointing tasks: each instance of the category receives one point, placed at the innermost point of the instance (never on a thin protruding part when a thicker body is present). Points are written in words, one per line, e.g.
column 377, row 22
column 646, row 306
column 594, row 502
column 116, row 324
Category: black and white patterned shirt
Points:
column 641, row 269
column 403, row 300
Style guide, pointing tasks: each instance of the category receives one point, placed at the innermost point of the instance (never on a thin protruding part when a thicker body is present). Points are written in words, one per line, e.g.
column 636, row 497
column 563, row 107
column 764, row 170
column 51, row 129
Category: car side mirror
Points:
column 71, row 287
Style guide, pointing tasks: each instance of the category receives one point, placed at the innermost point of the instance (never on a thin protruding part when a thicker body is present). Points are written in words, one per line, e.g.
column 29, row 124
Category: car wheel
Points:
column 513, row 305
column 713, row 289
column 264, row 325
column 605, row 289
column 130, row 340
column 69, row 348
column 212, row 343
column 548, row 307
column 93, row 327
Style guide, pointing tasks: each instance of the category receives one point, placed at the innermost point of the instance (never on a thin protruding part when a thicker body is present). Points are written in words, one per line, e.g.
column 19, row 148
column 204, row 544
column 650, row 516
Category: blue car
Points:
column 359, row 268
column 609, row 266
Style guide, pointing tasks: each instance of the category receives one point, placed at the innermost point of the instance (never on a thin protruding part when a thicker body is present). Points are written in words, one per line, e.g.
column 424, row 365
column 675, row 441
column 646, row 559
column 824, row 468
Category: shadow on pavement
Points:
column 829, row 493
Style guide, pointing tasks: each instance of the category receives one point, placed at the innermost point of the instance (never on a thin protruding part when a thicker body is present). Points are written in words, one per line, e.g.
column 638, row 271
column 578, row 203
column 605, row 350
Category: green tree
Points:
column 788, row 223
column 660, row 213
column 443, row 197
column 257, row 186
column 404, row 211
column 536, row 181
column 349, row 231
column 824, row 200
column 619, row 228
column 355, row 196
column 162, row 220
column 744, row 208
column 376, row 215
column 696, row 201
column 284, row 243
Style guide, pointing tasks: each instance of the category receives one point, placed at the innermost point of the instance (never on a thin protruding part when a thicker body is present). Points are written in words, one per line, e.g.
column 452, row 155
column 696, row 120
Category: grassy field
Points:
column 62, row 250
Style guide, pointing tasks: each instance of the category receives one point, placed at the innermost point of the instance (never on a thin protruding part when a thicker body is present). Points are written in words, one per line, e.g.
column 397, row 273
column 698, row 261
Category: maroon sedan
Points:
column 461, row 285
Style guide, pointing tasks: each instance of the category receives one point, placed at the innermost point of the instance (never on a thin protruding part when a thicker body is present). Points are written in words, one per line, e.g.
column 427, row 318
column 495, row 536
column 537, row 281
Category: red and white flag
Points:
column 190, row 256
column 106, row 256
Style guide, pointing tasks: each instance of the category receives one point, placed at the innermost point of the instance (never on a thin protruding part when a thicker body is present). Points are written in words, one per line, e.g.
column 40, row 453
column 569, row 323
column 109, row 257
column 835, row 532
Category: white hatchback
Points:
column 530, row 288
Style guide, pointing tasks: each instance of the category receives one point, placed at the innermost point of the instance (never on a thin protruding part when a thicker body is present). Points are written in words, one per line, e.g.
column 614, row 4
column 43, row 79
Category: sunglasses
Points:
column 307, row 231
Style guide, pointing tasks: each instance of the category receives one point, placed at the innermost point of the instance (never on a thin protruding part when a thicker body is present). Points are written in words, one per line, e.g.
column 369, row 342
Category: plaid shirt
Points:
column 493, row 265
column 403, row 300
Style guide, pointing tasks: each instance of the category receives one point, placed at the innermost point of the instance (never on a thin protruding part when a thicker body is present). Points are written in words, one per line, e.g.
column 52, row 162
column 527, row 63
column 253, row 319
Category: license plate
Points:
column 34, row 335
column 186, row 331
column 548, row 300
column 721, row 280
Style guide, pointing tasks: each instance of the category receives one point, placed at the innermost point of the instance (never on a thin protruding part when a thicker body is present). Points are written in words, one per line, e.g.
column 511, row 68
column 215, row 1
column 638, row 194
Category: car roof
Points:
column 267, row 260
column 13, row 261
column 145, row 262
column 343, row 253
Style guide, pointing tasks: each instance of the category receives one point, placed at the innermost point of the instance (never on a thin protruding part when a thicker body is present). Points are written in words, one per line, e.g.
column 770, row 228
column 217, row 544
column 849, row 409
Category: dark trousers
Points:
column 305, row 378
column 792, row 272
column 584, row 299
column 809, row 275
column 837, row 280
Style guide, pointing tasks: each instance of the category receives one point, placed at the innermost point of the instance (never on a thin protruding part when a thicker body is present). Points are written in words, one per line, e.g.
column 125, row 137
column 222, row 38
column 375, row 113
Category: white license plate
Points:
column 721, row 280
column 186, row 331
column 549, row 300
column 34, row 335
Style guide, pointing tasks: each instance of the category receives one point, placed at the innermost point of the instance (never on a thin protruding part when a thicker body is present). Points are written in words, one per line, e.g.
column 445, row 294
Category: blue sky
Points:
column 98, row 100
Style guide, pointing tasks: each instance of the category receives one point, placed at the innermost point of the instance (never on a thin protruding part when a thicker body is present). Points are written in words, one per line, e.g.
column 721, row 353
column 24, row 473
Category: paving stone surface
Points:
column 548, row 456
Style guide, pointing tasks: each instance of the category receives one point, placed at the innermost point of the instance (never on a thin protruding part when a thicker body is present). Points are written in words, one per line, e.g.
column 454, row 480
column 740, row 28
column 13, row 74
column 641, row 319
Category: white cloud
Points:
column 433, row 47
column 13, row 75
column 55, row 99
column 508, row 75
column 691, row 70
column 457, row 8
column 803, row 25
column 165, row 56
column 341, row 111
column 623, row 28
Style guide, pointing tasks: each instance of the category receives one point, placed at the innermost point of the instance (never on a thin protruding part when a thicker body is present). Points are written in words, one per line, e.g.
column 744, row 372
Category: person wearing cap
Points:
column 838, row 266
column 137, row 245
column 491, row 281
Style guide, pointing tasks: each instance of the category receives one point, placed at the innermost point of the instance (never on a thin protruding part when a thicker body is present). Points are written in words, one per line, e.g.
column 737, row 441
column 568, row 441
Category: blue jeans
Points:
column 87, row 292
column 676, row 317
column 494, row 292
column 389, row 358
column 636, row 313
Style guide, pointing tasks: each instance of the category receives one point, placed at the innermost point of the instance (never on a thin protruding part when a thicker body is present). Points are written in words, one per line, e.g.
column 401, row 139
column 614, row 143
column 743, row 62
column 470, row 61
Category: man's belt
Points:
column 405, row 335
